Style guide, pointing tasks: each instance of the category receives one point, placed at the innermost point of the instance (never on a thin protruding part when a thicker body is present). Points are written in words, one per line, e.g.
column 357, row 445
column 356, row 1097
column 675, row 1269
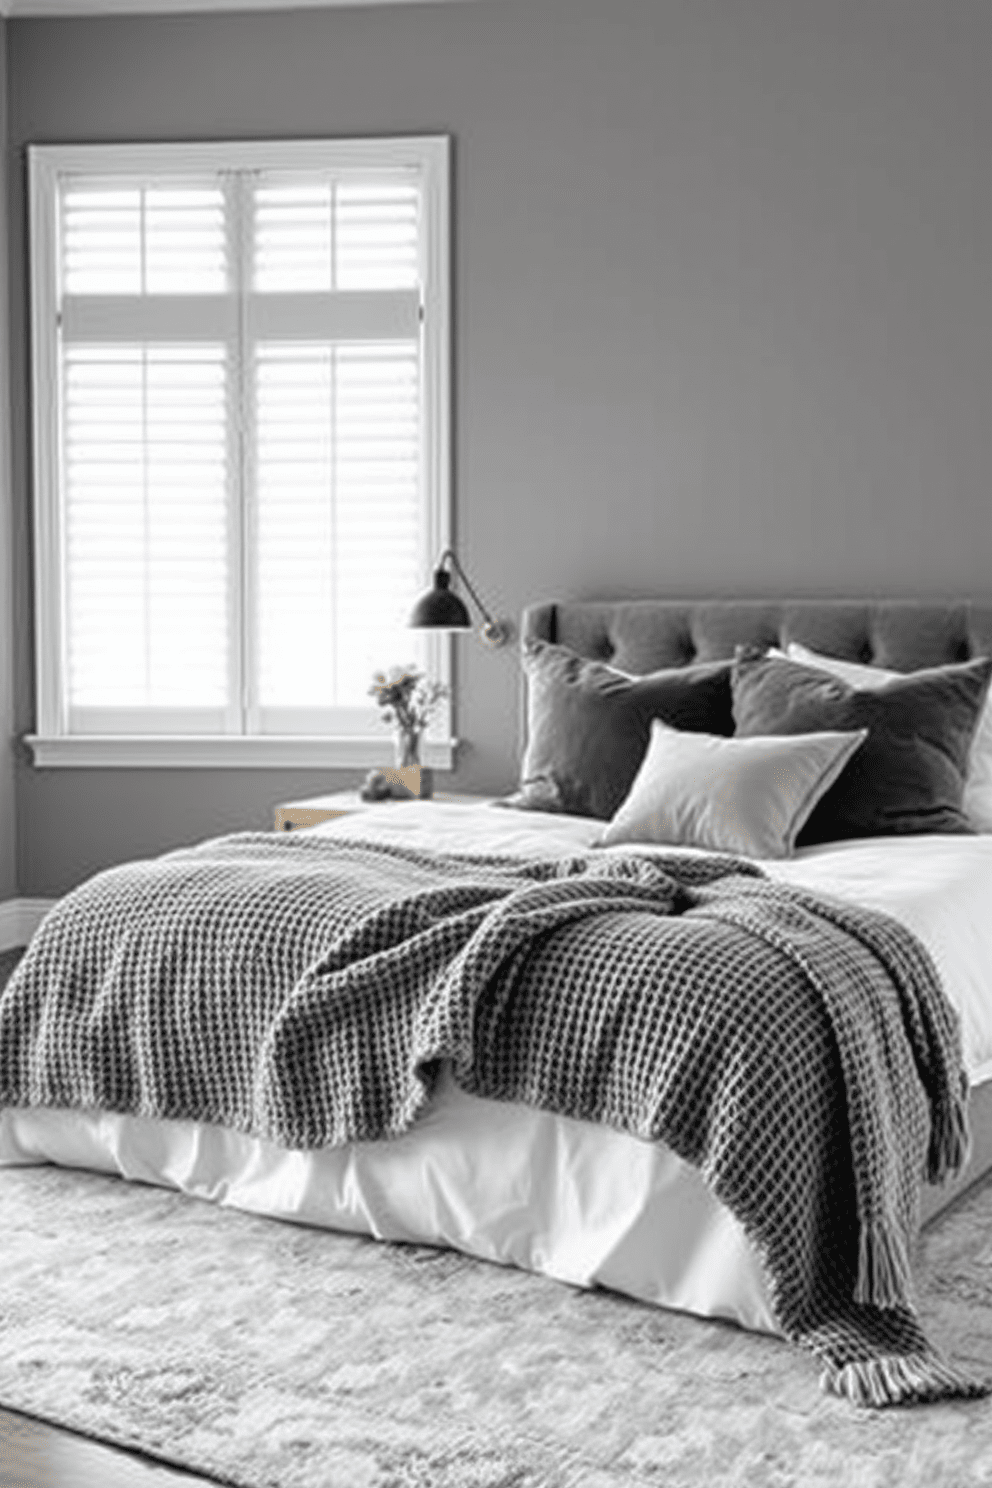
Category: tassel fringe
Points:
column 950, row 1143
column 895, row 1380
column 884, row 1270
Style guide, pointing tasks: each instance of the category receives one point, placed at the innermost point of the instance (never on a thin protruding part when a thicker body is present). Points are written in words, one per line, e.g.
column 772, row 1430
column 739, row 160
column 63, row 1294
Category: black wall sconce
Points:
column 439, row 608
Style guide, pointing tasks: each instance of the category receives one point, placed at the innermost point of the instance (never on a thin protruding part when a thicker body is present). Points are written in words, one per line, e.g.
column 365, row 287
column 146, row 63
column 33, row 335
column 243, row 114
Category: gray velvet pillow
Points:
column 588, row 725
column 908, row 776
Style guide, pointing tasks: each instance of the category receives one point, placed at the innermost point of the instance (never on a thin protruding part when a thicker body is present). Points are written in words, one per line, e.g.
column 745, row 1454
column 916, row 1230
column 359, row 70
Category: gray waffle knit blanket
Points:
column 304, row 989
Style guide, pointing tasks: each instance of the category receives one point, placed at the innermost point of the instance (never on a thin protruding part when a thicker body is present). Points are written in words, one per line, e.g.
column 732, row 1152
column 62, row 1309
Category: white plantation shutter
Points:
column 334, row 310
column 336, row 235
column 146, row 500
column 146, row 426
column 338, row 519
column 242, row 474
column 130, row 239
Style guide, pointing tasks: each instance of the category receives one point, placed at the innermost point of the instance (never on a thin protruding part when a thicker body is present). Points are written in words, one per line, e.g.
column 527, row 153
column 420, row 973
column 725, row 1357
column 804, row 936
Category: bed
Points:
column 578, row 1200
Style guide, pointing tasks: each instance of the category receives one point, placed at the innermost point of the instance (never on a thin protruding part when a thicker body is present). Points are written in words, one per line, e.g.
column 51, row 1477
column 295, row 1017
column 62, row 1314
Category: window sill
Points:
column 223, row 752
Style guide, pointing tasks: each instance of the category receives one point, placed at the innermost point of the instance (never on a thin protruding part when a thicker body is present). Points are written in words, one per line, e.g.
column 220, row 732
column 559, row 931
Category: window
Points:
column 241, row 464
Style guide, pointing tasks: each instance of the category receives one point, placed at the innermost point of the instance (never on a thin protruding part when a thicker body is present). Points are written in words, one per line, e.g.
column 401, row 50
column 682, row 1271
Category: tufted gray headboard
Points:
column 645, row 634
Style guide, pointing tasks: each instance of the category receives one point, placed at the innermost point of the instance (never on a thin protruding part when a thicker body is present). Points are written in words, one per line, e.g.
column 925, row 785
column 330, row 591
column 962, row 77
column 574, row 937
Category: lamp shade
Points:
column 439, row 609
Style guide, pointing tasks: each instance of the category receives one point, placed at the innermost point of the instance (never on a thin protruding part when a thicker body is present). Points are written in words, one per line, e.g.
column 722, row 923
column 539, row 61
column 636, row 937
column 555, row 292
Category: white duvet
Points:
column 506, row 1183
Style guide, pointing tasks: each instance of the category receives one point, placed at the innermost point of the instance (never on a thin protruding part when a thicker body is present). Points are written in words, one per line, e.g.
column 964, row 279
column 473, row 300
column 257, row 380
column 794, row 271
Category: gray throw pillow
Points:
column 908, row 776
column 588, row 725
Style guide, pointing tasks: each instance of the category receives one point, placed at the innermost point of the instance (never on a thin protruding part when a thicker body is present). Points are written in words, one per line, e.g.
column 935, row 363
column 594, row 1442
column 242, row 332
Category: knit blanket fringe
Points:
column 907, row 1379
column 950, row 1140
column 885, row 1273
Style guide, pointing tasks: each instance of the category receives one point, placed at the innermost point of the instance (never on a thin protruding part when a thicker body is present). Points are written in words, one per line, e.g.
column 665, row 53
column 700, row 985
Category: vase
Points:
column 407, row 744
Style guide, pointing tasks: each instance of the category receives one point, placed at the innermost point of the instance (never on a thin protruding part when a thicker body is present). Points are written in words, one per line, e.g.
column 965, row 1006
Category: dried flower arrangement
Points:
column 408, row 699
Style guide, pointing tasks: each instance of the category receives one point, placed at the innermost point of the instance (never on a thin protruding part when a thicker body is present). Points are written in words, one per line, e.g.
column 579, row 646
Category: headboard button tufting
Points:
column 655, row 634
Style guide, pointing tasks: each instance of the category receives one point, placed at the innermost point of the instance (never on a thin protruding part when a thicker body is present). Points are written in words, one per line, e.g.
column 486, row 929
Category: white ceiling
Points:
column 157, row 7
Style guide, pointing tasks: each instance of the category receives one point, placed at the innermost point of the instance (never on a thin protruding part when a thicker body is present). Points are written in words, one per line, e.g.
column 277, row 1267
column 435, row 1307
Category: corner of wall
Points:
column 8, row 860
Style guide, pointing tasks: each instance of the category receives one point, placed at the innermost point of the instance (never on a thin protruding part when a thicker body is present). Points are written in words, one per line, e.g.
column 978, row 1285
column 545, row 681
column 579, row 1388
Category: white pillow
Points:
column 977, row 798
column 749, row 796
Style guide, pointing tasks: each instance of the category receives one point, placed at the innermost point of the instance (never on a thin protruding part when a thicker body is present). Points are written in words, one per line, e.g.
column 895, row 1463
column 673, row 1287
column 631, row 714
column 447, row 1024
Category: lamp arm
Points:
column 450, row 553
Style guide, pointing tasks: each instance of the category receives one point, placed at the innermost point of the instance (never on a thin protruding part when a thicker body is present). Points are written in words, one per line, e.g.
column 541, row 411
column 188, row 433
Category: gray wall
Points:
column 724, row 307
column 8, row 862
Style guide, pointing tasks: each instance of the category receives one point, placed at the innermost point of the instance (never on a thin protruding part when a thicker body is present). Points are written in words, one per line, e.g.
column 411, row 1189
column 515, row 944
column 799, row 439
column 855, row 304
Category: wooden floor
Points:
column 33, row 1455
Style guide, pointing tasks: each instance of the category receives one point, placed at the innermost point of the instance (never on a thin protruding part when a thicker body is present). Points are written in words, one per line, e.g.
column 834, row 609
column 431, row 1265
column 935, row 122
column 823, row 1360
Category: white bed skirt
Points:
column 506, row 1183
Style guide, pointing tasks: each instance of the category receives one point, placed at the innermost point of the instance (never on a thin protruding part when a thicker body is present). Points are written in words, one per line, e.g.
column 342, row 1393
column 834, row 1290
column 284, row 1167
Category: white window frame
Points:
column 53, row 744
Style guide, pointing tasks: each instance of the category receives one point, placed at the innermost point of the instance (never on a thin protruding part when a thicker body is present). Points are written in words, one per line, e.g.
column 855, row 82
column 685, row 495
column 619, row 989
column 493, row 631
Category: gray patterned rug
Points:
column 268, row 1354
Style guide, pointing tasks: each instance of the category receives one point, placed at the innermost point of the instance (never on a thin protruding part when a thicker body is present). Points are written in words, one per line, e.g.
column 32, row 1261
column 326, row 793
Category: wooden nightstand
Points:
column 310, row 812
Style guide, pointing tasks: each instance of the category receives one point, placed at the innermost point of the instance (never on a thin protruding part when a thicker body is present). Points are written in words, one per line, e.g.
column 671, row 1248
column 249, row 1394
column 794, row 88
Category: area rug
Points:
column 263, row 1354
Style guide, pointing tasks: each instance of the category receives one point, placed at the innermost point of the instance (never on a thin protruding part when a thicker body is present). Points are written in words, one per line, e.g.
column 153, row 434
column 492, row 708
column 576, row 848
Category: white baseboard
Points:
column 19, row 919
